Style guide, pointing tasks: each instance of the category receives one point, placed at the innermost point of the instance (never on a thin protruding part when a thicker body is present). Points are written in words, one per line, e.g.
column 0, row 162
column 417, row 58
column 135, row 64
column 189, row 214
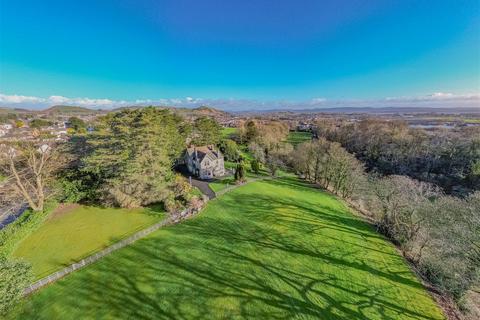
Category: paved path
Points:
column 204, row 187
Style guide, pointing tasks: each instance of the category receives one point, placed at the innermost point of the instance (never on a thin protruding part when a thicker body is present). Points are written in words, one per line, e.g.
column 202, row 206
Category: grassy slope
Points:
column 66, row 238
column 271, row 249
column 298, row 137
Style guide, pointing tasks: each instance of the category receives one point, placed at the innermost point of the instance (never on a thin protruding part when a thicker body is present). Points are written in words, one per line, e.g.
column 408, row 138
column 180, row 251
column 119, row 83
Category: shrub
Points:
column 172, row 205
column 255, row 164
column 15, row 276
column 240, row 172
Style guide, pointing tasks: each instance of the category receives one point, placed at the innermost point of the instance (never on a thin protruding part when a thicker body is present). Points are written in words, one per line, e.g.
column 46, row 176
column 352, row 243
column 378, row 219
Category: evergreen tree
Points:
column 206, row 131
column 255, row 164
column 240, row 171
column 229, row 149
column 77, row 124
column 133, row 152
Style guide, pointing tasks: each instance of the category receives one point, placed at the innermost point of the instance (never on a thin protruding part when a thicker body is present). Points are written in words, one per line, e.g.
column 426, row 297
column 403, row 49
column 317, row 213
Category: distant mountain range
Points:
column 210, row 111
column 4, row 110
column 51, row 110
column 376, row 110
column 76, row 110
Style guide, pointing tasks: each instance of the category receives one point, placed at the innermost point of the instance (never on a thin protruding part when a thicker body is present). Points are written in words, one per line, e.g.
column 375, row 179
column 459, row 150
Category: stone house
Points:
column 204, row 162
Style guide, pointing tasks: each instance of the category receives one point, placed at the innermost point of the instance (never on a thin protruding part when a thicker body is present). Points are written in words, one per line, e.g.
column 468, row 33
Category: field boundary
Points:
column 172, row 219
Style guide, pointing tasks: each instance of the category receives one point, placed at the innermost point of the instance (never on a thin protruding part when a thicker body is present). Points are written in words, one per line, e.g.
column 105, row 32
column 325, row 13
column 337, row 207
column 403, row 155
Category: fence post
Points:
column 184, row 214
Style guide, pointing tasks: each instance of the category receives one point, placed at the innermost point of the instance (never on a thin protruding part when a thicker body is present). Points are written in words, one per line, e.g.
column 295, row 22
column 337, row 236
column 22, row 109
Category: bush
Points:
column 255, row 164
column 40, row 123
column 15, row 276
column 240, row 172
column 172, row 205
column 181, row 187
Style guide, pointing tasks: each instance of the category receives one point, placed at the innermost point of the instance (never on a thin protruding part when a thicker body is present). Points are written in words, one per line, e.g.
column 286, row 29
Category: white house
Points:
column 205, row 162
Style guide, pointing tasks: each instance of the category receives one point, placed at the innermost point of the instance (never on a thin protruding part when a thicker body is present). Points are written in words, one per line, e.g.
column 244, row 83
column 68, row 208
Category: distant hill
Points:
column 208, row 111
column 5, row 110
column 371, row 110
column 69, row 110
column 76, row 110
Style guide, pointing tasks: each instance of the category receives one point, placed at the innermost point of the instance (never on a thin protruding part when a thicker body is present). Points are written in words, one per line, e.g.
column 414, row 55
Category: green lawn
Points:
column 65, row 238
column 297, row 137
column 267, row 250
column 228, row 132
column 218, row 185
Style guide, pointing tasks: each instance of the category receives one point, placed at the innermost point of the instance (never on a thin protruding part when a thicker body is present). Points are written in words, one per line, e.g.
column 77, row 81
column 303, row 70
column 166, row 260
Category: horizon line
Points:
column 434, row 100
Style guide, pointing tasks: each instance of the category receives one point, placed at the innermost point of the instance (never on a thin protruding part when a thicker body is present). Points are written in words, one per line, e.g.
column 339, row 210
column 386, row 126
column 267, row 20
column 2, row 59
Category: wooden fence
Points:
column 172, row 219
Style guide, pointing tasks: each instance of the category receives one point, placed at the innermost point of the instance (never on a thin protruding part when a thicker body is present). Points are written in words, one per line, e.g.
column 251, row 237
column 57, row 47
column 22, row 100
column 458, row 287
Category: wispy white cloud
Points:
column 438, row 96
column 17, row 99
column 437, row 99
column 442, row 95
column 20, row 101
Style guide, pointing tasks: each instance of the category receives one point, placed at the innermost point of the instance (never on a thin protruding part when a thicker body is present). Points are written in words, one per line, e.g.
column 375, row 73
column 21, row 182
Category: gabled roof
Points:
column 202, row 152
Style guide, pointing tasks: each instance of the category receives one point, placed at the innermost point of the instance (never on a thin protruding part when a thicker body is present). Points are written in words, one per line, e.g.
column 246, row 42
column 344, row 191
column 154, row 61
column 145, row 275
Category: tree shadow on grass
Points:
column 267, row 262
column 173, row 286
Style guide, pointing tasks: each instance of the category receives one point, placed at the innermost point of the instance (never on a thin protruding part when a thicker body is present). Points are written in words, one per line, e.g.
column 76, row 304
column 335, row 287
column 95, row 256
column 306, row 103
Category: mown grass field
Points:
column 228, row 132
column 297, row 137
column 267, row 250
column 221, row 184
column 66, row 237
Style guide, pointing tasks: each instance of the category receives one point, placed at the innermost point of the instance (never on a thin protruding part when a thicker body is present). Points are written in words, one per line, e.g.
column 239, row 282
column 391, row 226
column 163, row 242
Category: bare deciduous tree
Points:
column 403, row 205
column 29, row 169
column 329, row 165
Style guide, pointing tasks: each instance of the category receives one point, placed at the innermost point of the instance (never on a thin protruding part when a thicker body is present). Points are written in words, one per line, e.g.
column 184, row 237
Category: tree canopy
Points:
column 39, row 123
column 133, row 152
column 77, row 124
column 206, row 131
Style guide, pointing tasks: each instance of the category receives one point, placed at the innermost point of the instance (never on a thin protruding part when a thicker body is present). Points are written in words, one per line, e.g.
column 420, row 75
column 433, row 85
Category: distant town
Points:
column 55, row 123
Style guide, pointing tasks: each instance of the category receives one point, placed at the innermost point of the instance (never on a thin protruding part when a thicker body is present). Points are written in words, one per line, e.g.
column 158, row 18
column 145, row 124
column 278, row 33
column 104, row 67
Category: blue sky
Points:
column 249, row 49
